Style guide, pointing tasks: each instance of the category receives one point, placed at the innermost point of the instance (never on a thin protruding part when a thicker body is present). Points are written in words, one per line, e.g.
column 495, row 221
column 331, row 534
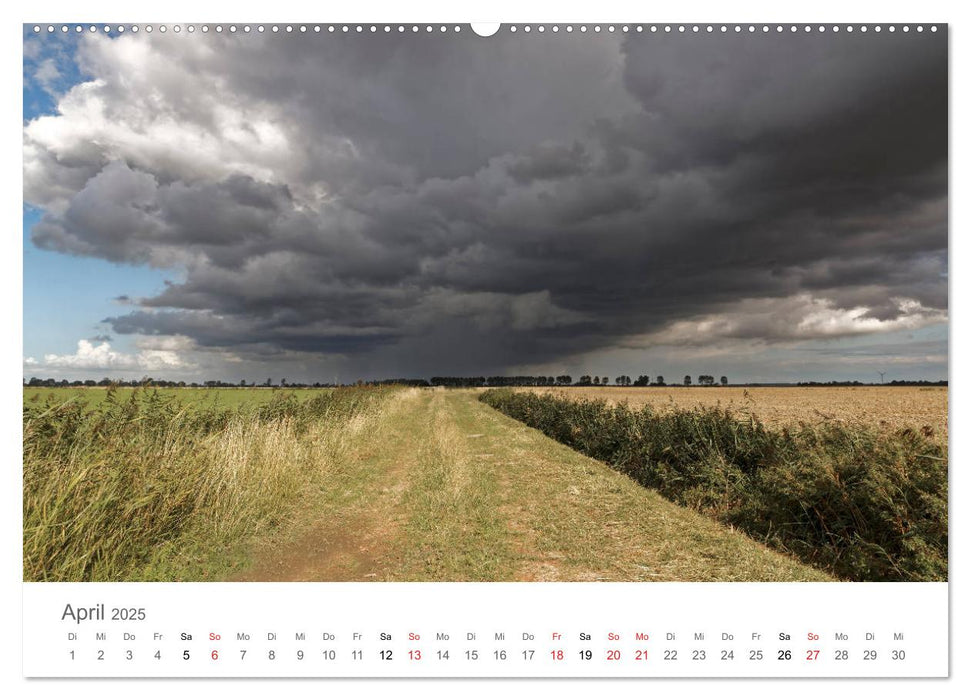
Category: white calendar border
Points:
column 440, row 10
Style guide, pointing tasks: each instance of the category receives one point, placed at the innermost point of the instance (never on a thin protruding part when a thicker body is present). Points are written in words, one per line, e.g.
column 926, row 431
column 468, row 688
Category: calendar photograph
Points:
column 426, row 303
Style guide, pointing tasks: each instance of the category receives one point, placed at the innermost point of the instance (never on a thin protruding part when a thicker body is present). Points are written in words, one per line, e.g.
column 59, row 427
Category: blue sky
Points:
column 66, row 297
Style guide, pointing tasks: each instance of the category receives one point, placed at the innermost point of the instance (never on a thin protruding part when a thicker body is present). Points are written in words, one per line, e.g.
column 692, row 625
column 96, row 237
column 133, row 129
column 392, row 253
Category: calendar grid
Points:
column 511, row 630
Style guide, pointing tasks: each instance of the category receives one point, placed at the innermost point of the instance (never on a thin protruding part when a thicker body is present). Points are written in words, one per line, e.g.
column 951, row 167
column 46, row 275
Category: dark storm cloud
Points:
column 469, row 204
column 263, row 336
column 548, row 162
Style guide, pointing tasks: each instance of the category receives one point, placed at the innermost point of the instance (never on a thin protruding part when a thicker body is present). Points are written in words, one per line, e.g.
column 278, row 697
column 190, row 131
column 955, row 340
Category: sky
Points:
column 332, row 207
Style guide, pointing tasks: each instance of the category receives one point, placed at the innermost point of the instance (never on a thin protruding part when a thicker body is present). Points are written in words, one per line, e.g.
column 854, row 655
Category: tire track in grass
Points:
column 454, row 530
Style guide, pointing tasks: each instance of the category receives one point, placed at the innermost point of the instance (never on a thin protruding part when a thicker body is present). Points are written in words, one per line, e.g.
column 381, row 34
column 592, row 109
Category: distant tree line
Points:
column 921, row 382
column 400, row 382
column 458, row 382
column 455, row 382
column 895, row 382
column 529, row 380
column 208, row 384
column 524, row 380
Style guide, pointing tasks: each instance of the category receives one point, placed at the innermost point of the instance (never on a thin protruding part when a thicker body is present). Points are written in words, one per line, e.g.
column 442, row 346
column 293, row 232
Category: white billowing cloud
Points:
column 210, row 136
column 824, row 320
column 155, row 354
column 797, row 318
column 47, row 74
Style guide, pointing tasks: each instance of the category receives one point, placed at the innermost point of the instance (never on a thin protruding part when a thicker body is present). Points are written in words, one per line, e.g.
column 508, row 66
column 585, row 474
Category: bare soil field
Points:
column 890, row 407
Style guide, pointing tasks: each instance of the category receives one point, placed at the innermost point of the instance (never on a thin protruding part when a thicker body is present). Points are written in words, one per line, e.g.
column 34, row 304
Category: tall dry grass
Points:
column 150, row 489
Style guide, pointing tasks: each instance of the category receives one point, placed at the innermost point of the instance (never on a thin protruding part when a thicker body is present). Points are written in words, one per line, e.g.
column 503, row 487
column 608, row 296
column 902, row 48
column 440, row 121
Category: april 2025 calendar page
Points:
column 540, row 349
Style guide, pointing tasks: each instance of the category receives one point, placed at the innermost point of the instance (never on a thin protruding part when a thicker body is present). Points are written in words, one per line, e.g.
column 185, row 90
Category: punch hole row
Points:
column 513, row 28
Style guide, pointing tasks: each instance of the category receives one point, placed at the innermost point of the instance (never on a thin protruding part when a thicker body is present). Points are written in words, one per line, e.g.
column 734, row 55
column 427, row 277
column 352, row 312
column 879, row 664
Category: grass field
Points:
column 882, row 406
column 211, row 398
column 388, row 485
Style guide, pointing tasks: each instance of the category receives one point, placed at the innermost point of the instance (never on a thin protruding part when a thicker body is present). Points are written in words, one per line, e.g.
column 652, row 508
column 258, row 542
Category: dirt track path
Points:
column 440, row 487
column 357, row 513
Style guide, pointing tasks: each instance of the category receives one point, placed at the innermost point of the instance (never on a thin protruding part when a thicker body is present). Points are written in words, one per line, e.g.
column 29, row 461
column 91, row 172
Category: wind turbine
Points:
column 881, row 376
